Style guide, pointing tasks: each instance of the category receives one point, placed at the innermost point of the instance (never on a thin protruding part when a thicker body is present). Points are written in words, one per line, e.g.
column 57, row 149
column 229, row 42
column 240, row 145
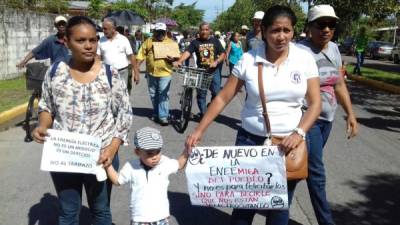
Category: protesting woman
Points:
column 290, row 75
column 87, row 97
column 234, row 51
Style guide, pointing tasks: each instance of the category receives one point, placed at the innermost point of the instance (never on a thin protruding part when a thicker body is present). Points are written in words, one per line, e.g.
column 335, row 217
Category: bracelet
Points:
column 300, row 132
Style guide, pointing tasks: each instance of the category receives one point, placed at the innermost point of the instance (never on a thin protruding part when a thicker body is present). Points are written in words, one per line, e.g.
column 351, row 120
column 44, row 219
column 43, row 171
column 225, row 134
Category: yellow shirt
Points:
column 156, row 67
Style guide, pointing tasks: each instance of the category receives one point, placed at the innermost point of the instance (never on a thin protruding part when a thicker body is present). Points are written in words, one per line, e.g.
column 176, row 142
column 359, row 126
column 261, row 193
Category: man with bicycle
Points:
column 210, row 55
column 52, row 48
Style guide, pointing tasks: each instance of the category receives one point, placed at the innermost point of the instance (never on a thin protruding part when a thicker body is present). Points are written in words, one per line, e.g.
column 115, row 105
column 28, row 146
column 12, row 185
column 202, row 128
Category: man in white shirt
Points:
column 115, row 50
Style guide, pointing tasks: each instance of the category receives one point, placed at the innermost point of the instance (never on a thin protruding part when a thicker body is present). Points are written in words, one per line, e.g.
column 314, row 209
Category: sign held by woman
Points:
column 249, row 177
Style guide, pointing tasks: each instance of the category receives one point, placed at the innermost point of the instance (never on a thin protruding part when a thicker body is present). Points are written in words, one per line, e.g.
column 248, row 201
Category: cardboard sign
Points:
column 70, row 152
column 162, row 50
column 247, row 177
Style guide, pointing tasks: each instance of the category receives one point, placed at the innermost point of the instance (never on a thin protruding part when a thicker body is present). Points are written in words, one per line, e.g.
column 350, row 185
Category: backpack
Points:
column 108, row 72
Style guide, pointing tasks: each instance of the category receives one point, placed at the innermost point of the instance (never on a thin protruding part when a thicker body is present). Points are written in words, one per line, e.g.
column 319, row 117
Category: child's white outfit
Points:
column 149, row 200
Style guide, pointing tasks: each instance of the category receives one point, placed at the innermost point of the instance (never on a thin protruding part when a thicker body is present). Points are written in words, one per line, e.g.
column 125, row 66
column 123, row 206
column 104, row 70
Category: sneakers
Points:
column 163, row 122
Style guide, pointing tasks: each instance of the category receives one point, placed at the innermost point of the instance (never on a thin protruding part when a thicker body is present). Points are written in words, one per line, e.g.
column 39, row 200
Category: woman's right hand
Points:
column 192, row 140
column 39, row 134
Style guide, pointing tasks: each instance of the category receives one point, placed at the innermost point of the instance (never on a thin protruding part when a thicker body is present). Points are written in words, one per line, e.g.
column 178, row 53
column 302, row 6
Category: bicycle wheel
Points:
column 31, row 117
column 186, row 108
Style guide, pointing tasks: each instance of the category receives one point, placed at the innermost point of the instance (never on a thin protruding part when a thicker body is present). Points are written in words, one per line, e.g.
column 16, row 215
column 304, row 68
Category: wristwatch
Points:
column 300, row 132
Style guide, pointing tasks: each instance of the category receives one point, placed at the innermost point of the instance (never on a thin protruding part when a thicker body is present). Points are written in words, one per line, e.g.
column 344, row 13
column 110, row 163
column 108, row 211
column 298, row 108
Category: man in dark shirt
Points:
column 52, row 48
column 210, row 54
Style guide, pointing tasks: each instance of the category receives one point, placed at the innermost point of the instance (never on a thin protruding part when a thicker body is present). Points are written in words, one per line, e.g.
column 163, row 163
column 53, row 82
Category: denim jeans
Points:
column 317, row 137
column 159, row 95
column 245, row 216
column 360, row 62
column 69, row 191
column 214, row 88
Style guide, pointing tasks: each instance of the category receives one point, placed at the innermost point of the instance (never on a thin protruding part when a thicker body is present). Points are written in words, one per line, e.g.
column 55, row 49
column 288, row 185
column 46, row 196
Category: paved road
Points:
column 381, row 64
column 363, row 174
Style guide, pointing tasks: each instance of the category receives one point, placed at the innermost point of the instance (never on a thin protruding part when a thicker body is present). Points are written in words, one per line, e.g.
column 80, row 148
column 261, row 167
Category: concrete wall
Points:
column 20, row 32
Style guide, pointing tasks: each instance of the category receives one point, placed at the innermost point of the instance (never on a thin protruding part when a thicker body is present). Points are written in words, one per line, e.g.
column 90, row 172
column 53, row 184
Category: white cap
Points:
column 244, row 27
column 60, row 18
column 259, row 15
column 160, row 26
column 217, row 33
column 320, row 11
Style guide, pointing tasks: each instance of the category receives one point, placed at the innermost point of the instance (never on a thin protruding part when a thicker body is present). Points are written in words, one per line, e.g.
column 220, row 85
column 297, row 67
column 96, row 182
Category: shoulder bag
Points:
column 296, row 159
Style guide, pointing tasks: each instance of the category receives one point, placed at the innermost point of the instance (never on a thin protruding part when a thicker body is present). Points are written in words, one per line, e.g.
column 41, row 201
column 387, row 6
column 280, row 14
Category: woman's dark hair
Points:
column 278, row 11
column 233, row 35
column 78, row 20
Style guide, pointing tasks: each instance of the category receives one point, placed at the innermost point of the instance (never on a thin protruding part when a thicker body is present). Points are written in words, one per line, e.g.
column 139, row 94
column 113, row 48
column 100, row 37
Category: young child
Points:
column 148, row 178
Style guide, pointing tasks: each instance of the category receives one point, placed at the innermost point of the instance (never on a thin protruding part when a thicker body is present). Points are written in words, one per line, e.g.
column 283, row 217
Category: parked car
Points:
column 396, row 54
column 379, row 49
column 347, row 46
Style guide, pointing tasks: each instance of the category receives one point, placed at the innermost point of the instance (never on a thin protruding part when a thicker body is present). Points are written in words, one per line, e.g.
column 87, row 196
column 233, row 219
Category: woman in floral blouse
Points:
column 80, row 97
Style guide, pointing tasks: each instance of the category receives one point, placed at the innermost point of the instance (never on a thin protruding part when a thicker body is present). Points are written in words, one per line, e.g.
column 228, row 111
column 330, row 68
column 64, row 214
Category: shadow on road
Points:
column 381, row 204
column 46, row 212
column 381, row 123
column 186, row 213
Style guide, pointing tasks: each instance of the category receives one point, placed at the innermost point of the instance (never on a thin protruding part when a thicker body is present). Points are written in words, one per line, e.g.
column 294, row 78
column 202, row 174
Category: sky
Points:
column 210, row 7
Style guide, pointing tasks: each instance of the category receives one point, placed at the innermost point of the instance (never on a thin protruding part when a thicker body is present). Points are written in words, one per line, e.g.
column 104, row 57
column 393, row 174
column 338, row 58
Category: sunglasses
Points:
column 61, row 23
column 322, row 25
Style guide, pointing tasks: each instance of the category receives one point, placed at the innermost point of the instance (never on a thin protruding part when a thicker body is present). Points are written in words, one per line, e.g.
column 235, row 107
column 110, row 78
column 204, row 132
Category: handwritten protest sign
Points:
column 162, row 50
column 70, row 152
column 238, row 177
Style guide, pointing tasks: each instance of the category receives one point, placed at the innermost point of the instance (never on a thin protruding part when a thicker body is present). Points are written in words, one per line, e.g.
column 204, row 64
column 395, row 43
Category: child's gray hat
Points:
column 148, row 138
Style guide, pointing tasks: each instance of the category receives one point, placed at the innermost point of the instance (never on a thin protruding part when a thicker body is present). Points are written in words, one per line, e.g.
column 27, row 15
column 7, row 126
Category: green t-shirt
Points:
column 361, row 43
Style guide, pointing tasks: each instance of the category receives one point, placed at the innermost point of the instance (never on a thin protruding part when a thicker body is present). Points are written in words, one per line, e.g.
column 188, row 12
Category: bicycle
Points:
column 191, row 78
column 34, row 78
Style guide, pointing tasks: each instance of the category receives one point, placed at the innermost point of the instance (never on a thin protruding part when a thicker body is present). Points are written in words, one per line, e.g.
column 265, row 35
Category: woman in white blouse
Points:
column 290, row 76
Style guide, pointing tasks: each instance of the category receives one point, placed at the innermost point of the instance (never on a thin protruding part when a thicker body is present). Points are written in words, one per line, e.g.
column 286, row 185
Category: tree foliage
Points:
column 52, row 6
column 187, row 16
column 96, row 9
column 241, row 13
column 354, row 13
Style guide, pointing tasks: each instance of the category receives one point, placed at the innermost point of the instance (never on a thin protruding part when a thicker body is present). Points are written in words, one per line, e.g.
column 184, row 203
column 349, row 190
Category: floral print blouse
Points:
column 88, row 108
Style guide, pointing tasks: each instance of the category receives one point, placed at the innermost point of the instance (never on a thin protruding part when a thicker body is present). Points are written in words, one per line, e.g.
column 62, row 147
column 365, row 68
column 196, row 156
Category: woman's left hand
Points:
column 106, row 156
column 290, row 142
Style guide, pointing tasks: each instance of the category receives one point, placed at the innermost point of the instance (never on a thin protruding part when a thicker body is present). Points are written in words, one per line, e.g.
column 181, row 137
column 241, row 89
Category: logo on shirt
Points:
column 295, row 77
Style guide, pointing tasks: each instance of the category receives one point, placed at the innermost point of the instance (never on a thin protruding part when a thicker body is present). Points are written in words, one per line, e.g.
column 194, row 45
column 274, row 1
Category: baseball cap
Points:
column 217, row 33
column 59, row 19
column 148, row 138
column 160, row 26
column 259, row 15
column 244, row 27
column 320, row 11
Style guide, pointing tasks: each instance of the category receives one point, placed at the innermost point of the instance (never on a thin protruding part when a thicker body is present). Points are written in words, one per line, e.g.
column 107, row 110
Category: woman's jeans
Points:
column 360, row 62
column 214, row 88
column 159, row 95
column 69, row 191
column 317, row 137
column 245, row 216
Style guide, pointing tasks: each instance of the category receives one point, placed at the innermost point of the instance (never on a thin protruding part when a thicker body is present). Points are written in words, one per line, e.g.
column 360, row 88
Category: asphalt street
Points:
column 363, row 177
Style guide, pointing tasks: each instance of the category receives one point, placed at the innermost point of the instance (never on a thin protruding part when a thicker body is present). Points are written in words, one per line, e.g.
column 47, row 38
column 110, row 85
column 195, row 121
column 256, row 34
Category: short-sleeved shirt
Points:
column 89, row 108
column 149, row 199
column 155, row 67
column 361, row 43
column 284, row 86
column 51, row 48
column 206, row 51
column 253, row 40
column 329, row 62
column 115, row 51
